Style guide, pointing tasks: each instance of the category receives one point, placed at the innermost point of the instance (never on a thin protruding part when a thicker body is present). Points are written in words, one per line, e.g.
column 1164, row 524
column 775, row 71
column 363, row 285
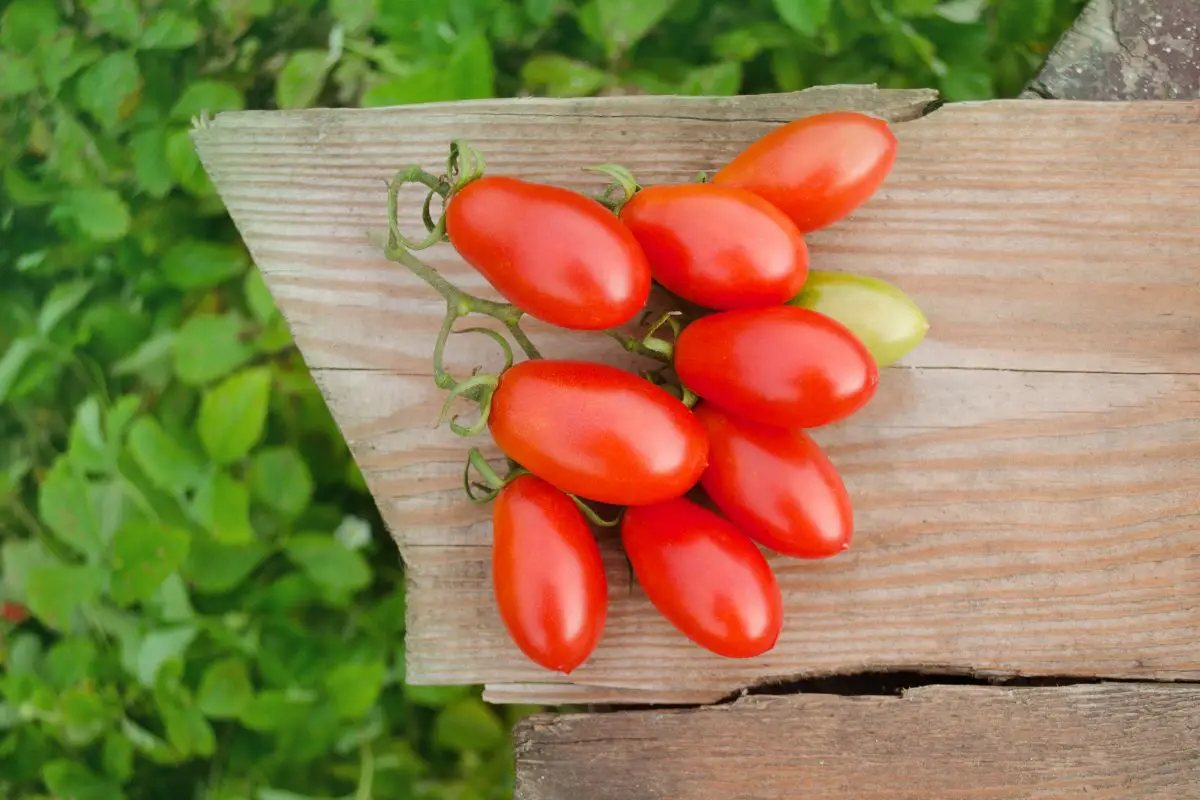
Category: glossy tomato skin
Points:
column 718, row 246
column 555, row 254
column 777, row 485
column 597, row 431
column 547, row 575
column 817, row 169
column 785, row 366
column 705, row 576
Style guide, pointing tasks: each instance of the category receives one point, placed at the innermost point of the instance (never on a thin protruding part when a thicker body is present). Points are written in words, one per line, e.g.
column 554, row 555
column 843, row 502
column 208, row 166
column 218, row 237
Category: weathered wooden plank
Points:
column 1126, row 50
column 1025, row 495
column 1126, row 741
column 1007, row 522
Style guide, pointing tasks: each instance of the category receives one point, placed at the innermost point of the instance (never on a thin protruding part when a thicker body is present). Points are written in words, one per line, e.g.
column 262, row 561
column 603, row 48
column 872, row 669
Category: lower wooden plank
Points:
column 1127, row 741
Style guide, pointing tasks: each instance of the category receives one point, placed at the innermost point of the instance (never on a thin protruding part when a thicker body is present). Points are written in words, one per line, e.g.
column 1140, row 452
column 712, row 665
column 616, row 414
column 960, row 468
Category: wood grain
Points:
column 1115, row 741
column 1026, row 486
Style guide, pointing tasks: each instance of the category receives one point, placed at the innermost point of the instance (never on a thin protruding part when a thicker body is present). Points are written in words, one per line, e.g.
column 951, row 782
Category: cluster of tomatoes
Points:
column 762, row 350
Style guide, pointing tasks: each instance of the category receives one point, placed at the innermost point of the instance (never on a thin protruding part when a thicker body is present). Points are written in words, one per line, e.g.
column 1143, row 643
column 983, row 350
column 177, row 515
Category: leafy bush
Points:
column 216, row 612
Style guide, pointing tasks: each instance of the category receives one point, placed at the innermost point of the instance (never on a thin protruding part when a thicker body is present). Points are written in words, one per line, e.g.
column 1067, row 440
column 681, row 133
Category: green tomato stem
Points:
column 623, row 182
column 595, row 517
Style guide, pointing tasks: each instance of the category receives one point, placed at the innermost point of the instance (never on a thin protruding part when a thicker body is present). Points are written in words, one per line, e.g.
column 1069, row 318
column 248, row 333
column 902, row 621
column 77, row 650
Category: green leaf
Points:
column 169, row 30
column 716, row 80
column 274, row 710
column 25, row 24
column 150, row 165
column 187, row 729
column 101, row 214
column 233, row 413
column 83, row 716
column 64, row 506
column 168, row 465
column 225, row 689
column 258, row 297
column 541, row 12
column 151, row 355
column 209, row 347
column 280, row 479
column 558, row 76
column 354, row 15
column 332, row 565
column 118, row 17
column 143, row 555
column 962, row 83
column 13, row 363
column 61, row 57
column 146, row 742
column 302, row 78
column 160, row 646
column 209, row 96
column 196, row 264
column 620, row 24
column 354, row 688
column 1020, row 20
column 70, row 662
column 109, row 89
column 962, row 11
column 70, row 780
column 468, row 726
column 86, row 448
column 118, row 756
column 426, row 85
column 19, row 76
column 804, row 16
column 62, row 300
column 18, row 557
column 185, row 164
column 54, row 591
column 215, row 568
column 172, row 602
column 472, row 71
column 222, row 505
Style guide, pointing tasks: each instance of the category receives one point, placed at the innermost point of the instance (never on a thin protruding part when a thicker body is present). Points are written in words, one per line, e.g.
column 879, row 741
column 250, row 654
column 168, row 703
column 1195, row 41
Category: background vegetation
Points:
column 216, row 612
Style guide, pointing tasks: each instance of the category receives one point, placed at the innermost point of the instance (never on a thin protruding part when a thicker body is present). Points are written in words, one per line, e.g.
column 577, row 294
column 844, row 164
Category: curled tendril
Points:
column 505, row 347
column 493, row 483
column 464, row 165
column 623, row 183
column 480, row 388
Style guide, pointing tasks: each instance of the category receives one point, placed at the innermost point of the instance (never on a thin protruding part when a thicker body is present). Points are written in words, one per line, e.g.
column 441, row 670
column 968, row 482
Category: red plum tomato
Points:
column 777, row 485
column 597, row 431
column 718, row 246
column 784, row 366
column 547, row 574
column 705, row 576
column 816, row 169
column 555, row 254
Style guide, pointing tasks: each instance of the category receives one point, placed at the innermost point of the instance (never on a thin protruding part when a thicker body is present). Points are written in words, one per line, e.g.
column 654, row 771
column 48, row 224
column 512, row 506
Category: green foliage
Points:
column 217, row 612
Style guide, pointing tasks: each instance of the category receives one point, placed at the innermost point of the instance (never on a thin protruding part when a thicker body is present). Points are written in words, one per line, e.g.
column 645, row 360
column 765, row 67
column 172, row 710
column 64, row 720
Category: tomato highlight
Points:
column 776, row 485
column 817, row 169
column 782, row 366
column 705, row 576
column 716, row 246
column 597, row 431
column 547, row 575
column 557, row 255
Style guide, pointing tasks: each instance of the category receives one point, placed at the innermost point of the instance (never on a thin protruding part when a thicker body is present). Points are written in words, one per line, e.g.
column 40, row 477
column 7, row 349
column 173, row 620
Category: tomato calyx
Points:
column 485, row 491
column 463, row 165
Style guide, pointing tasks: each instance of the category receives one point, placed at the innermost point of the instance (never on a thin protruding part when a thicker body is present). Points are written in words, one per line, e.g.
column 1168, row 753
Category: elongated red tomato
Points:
column 816, row 169
column 547, row 574
column 717, row 246
column 785, row 366
column 597, row 431
column 777, row 485
column 705, row 576
column 555, row 254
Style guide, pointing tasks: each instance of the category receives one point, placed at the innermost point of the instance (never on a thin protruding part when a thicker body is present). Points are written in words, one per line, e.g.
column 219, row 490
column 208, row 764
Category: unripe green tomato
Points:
column 887, row 321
